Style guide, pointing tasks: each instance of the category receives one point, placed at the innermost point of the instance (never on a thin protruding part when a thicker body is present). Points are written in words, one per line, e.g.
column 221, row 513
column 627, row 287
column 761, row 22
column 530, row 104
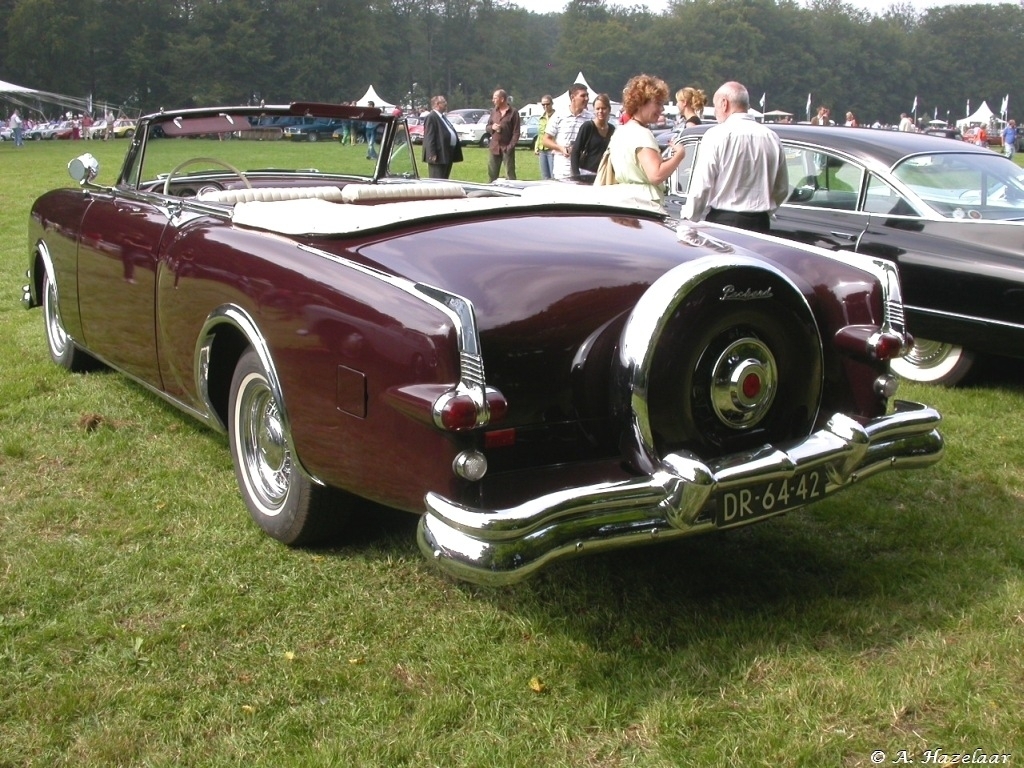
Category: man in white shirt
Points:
column 16, row 128
column 563, row 126
column 740, row 176
column 906, row 124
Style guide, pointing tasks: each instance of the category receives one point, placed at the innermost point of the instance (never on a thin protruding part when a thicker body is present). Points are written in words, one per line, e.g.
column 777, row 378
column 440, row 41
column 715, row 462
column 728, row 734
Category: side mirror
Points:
column 84, row 169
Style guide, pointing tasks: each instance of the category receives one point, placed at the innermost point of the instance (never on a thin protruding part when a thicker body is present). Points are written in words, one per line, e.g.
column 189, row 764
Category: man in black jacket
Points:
column 441, row 148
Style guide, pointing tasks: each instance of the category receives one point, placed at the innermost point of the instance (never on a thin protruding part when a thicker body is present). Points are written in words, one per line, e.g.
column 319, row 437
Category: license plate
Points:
column 742, row 505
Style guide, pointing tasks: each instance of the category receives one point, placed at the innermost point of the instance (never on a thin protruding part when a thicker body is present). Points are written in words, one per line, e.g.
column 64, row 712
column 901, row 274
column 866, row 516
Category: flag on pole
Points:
column 763, row 95
column 968, row 112
column 1006, row 104
column 914, row 108
column 808, row 110
column 936, row 114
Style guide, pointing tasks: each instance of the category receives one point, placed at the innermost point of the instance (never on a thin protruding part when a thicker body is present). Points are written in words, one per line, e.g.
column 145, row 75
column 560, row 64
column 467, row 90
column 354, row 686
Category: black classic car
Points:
column 950, row 214
column 313, row 129
column 539, row 373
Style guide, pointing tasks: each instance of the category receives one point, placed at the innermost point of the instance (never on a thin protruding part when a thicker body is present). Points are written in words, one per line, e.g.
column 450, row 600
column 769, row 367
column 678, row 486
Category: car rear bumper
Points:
column 680, row 498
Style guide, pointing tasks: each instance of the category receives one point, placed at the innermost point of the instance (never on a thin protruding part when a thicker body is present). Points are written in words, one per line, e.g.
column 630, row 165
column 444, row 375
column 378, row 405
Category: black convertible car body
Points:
column 950, row 214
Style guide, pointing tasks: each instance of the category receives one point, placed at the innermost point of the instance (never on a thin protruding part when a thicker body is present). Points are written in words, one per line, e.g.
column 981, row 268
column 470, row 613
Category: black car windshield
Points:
column 966, row 185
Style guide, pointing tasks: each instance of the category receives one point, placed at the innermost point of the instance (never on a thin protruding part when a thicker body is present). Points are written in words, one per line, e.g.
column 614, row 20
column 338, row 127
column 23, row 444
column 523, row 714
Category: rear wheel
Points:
column 63, row 349
column 934, row 362
column 283, row 501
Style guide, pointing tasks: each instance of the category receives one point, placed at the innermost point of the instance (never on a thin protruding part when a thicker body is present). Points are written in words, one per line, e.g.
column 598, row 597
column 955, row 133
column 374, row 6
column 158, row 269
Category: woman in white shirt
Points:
column 634, row 152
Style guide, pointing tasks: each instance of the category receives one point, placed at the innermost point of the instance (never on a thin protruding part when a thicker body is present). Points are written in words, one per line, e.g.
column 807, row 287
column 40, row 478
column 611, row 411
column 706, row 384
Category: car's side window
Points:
column 822, row 180
column 882, row 198
column 679, row 181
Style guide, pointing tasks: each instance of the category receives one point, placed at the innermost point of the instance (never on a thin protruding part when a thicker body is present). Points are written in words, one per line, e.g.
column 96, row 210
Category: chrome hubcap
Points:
column 744, row 382
column 927, row 354
column 264, row 446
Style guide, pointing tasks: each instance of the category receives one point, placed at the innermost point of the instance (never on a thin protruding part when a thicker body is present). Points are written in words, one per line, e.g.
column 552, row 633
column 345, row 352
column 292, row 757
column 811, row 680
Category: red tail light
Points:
column 459, row 412
column 870, row 341
column 887, row 346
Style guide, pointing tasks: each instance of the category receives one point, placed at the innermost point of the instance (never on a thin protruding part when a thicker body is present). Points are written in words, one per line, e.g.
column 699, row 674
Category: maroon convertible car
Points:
column 538, row 372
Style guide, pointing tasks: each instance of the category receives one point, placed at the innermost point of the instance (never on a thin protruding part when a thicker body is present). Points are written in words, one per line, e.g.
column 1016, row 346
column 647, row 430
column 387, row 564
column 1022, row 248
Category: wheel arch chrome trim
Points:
column 241, row 321
column 32, row 290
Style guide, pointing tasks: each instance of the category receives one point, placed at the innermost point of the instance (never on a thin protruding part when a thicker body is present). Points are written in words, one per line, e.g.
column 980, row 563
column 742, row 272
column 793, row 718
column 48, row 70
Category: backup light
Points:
column 886, row 386
column 470, row 465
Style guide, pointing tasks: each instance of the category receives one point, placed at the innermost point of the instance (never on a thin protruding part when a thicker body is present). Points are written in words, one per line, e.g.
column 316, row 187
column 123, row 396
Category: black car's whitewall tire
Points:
column 285, row 503
column 934, row 362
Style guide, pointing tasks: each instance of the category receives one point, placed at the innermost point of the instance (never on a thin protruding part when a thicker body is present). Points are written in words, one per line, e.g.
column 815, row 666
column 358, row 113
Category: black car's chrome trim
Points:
column 462, row 315
column 987, row 321
column 502, row 546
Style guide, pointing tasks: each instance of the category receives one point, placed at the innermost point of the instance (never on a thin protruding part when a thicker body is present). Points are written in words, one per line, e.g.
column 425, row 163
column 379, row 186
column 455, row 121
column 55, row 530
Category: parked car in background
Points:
column 949, row 214
column 66, row 130
column 469, row 114
column 528, row 129
column 539, row 372
column 416, row 125
column 943, row 130
column 6, row 133
column 312, row 129
column 95, row 131
column 475, row 133
column 124, row 128
column 47, row 130
column 478, row 133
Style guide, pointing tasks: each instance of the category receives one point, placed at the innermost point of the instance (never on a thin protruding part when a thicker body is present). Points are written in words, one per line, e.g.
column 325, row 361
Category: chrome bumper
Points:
column 503, row 546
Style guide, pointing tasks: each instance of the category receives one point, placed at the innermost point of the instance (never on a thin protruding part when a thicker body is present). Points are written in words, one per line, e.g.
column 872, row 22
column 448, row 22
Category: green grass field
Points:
column 145, row 621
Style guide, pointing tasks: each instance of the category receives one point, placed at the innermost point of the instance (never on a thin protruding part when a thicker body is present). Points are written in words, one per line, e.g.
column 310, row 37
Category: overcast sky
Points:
column 657, row 6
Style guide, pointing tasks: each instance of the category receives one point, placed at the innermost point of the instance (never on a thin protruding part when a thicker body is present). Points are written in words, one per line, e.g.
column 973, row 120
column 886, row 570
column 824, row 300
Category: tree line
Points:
column 148, row 54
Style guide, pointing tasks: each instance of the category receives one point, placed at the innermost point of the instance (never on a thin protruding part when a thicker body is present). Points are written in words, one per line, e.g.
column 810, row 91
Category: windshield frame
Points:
column 215, row 130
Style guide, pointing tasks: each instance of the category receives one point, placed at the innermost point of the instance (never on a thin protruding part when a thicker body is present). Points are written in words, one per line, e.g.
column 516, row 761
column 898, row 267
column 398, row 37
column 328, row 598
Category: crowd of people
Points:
column 739, row 180
column 739, row 177
column 74, row 125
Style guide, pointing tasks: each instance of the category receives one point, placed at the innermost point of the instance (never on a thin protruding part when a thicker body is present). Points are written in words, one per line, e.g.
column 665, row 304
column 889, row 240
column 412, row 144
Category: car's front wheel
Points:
column 285, row 502
column 934, row 362
column 63, row 349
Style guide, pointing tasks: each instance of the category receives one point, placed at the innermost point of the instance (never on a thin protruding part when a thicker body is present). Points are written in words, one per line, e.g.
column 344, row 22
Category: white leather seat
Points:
column 270, row 194
column 391, row 193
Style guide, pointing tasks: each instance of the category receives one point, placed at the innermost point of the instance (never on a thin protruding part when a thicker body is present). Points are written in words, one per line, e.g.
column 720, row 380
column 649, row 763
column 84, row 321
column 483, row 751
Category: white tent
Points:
column 982, row 116
column 30, row 98
column 371, row 95
column 562, row 102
